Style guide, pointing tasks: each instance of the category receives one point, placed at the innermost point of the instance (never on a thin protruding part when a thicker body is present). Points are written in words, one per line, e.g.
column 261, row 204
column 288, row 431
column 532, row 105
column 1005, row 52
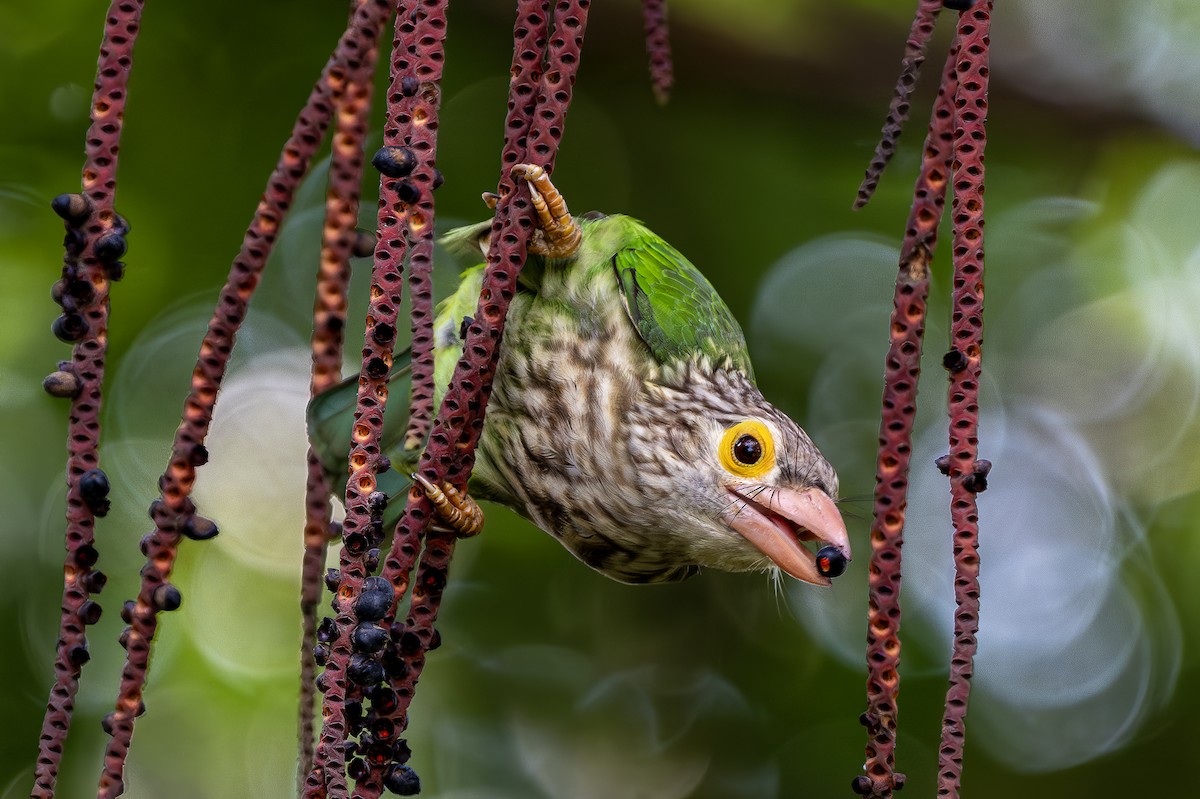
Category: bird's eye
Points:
column 747, row 449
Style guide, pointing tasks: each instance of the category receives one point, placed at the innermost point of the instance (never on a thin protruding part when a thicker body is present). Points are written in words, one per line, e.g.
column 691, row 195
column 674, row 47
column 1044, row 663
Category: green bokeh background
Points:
column 552, row 681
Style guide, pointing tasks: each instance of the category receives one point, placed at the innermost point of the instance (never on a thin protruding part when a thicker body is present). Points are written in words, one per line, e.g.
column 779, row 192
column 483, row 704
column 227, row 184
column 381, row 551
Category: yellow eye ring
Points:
column 747, row 449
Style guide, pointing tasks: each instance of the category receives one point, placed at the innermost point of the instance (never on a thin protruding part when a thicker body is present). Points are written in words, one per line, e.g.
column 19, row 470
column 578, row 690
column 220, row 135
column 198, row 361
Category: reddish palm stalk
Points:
column 533, row 131
column 405, row 209
column 420, row 290
column 450, row 455
column 339, row 241
column 95, row 239
column 658, row 47
column 903, row 370
column 967, row 473
column 530, row 36
column 173, row 514
column 910, row 69
column 426, row 52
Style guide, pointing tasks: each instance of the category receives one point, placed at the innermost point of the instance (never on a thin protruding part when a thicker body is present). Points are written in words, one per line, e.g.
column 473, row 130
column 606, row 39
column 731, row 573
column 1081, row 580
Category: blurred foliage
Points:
column 553, row 681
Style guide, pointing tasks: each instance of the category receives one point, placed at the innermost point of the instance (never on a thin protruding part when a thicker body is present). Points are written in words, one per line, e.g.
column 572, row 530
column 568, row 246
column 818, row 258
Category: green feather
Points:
column 467, row 241
column 675, row 309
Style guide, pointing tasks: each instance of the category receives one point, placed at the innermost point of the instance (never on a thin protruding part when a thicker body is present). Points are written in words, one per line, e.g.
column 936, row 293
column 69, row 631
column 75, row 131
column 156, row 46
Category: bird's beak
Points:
column 776, row 519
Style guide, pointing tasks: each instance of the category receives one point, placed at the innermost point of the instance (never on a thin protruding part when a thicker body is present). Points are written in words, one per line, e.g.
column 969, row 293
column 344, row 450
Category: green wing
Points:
column 467, row 241
column 331, row 420
column 675, row 309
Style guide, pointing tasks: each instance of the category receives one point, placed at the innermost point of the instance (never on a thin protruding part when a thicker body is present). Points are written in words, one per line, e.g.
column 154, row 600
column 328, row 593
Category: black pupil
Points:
column 748, row 450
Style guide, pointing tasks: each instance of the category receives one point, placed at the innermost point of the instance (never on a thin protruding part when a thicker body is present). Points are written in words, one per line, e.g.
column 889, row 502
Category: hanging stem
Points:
column 530, row 36
column 405, row 210
column 450, row 453
column 338, row 243
column 94, row 242
column 968, row 475
column 426, row 52
column 425, row 49
column 903, row 370
column 658, row 47
column 420, row 290
column 173, row 514
column 910, row 68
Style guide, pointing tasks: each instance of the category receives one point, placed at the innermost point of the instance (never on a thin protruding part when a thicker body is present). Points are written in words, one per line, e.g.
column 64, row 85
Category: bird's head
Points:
column 740, row 483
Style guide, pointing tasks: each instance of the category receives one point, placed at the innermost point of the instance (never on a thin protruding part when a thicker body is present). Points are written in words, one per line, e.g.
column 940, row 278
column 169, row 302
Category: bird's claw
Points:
column 455, row 510
column 558, row 234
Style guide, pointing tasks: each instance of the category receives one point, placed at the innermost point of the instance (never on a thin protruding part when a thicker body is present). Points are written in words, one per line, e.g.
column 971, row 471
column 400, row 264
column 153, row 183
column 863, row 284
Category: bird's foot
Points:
column 558, row 234
column 455, row 511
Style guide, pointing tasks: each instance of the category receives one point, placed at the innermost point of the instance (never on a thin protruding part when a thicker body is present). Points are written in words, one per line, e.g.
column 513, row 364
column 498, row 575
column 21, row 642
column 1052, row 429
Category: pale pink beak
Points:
column 777, row 519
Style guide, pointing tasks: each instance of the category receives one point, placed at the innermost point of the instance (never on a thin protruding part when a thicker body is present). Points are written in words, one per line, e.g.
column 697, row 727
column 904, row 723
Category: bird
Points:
column 624, row 418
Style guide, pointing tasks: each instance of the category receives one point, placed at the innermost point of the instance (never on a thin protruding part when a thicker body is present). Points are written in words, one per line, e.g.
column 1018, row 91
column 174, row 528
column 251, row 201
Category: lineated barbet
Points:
column 624, row 418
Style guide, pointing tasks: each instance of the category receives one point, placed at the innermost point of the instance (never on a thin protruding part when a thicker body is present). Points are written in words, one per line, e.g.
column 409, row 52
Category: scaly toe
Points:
column 560, row 233
column 455, row 510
